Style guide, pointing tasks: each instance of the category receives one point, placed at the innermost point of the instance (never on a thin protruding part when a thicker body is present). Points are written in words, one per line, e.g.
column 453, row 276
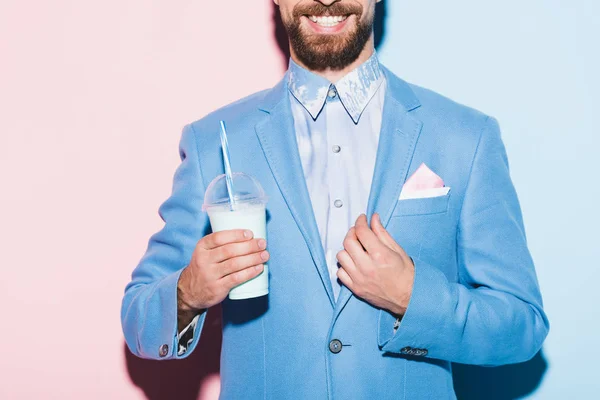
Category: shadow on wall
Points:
column 499, row 383
column 186, row 379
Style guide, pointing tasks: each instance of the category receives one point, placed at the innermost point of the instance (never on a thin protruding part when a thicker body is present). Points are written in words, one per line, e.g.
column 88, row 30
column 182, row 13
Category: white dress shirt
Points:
column 337, row 129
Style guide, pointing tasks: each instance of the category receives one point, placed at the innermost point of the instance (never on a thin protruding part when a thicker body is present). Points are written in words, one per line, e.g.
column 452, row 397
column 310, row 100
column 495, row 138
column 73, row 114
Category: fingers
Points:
column 381, row 232
column 366, row 236
column 383, row 235
column 221, row 238
column 239, row 263
column 347, row 263
column 345, row 278
column 230, row 250
column 242, row 276
column 354, row 248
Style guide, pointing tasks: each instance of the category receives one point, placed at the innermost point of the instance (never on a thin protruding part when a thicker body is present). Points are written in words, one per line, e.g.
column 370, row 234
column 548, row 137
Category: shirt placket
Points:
column 339, row 201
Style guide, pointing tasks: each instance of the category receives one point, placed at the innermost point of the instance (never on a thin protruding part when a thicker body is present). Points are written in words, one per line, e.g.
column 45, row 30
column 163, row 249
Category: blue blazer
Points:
column 475, row 299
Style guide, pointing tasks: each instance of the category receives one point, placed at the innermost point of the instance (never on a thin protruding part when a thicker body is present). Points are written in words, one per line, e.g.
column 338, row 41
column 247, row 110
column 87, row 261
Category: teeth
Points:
column 327, row 21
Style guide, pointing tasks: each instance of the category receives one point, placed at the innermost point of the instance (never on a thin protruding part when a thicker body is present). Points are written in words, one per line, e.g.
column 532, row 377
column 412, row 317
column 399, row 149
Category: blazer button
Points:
column 163, row 350
column 335, row 346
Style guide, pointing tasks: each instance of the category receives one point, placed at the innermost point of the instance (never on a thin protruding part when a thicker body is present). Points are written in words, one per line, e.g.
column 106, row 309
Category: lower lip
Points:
column 327, row 29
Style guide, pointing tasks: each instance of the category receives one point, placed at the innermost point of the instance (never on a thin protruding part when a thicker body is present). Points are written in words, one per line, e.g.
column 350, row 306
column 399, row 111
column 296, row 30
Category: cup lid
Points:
column 247, row 190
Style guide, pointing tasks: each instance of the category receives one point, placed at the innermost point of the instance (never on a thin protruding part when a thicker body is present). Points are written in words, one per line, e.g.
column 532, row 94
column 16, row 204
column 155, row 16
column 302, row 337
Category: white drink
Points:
column 250, row 202
column 246, row 216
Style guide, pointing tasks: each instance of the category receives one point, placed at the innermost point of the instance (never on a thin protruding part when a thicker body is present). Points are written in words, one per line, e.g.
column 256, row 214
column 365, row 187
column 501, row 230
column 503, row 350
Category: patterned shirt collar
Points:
column 355, row 89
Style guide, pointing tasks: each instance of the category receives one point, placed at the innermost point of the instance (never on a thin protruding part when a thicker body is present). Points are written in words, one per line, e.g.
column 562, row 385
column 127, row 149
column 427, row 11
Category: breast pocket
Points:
column 423, row 206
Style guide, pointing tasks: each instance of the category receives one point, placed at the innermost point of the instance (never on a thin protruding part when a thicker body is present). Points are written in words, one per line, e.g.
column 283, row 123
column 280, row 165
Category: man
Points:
column 395, row 241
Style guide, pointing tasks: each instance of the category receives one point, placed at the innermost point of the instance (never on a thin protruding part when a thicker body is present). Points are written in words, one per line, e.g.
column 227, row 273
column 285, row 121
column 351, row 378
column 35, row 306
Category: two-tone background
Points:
column 93, row 96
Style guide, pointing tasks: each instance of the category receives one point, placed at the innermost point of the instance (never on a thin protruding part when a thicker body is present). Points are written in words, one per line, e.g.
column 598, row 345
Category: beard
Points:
column 319, row 52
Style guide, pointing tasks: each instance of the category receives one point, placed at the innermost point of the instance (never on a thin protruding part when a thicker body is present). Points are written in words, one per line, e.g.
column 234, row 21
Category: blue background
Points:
column 534, row 66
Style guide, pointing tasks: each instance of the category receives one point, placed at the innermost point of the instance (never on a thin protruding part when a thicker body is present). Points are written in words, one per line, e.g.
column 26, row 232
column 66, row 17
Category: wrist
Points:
column 184, row 303
column 185, row 311
column 397, row 310
column 400, row 303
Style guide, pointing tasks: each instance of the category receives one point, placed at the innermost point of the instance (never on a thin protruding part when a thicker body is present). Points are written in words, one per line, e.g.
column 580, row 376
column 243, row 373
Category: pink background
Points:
column 93, row 97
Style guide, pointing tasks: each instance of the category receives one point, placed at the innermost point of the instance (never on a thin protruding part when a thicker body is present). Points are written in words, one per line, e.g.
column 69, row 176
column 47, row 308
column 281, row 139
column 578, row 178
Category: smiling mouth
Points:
column 327, row 21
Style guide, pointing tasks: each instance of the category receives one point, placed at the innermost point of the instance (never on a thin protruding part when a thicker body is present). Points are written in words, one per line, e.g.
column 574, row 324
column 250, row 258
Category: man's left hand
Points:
column 374, row 267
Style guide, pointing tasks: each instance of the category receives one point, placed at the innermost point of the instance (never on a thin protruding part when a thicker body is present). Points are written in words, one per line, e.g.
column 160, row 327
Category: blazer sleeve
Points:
column 494, row 314
column 149, row 306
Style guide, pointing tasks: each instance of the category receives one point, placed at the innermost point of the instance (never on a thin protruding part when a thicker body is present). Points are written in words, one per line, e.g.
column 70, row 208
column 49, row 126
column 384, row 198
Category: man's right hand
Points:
column 221, row 261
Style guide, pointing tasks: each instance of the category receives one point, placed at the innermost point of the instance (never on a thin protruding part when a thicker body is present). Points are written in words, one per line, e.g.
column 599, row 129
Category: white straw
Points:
column 226, row 160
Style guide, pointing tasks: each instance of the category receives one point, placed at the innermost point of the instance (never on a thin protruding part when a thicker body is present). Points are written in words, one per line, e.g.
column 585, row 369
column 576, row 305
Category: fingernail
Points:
column 258, row 267
column 262, row 244
column 247, row 234
column 264, row 255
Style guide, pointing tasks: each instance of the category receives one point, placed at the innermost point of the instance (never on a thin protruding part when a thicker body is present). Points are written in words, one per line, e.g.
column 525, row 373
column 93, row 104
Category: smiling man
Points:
column 395, row 247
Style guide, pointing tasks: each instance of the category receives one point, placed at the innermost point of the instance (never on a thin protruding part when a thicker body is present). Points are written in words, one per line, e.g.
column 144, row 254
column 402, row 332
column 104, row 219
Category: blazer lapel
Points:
column 278, row 141
column 397, row 141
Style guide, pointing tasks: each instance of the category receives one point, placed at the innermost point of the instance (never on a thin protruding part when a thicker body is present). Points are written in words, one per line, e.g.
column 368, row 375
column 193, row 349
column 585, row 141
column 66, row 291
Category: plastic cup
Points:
column 249, row 213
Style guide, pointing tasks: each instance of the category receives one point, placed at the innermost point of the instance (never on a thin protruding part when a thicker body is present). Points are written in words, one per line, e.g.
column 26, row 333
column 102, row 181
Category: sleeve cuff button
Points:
column 163, row 350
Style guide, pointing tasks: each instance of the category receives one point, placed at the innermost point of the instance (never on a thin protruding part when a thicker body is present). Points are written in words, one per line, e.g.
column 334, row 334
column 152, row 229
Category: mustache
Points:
column 320, row 9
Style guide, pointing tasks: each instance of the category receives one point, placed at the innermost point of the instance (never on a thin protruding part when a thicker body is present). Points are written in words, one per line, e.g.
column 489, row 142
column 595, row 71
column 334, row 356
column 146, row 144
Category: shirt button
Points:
column 335, row 346
column 331, row 93
column 336, row 148
column 338, row 203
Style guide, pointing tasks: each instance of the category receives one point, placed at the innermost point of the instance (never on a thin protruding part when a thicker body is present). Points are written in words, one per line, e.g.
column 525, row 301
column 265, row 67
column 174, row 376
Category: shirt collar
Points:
column 355, row 89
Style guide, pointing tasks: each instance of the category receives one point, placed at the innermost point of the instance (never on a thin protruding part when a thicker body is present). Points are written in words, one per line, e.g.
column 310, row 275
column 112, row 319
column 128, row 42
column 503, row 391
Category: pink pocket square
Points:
column 423, row 183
